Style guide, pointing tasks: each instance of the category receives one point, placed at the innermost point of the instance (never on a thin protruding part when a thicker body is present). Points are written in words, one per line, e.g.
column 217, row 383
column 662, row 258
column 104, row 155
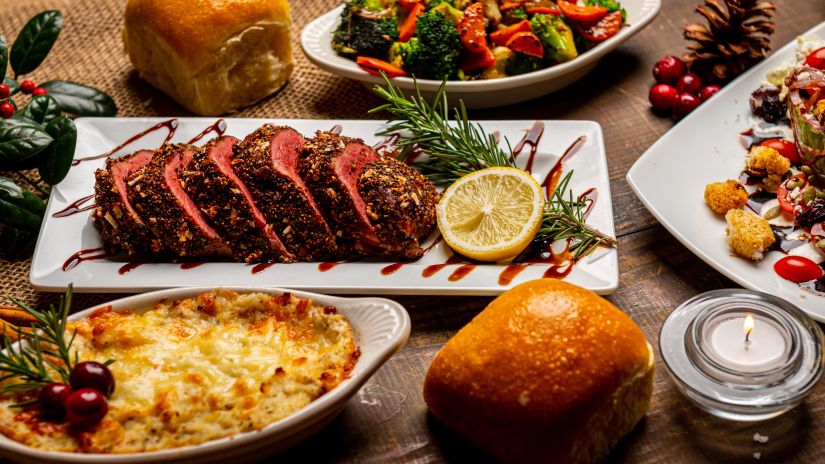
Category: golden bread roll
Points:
column 212, row 56
column 548, row 372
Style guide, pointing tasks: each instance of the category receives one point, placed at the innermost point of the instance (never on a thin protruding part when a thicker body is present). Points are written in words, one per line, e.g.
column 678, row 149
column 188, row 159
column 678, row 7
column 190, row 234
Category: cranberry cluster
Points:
column 677, row 89
column 28, row 87
column 84, row 402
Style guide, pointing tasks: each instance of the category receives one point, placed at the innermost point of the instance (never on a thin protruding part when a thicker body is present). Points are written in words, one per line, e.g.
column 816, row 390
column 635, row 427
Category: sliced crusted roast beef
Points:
column 121, row 228
column 400, row 203
column 228, row 205
column 266, row 161
column 331, row 166
column 158, row 197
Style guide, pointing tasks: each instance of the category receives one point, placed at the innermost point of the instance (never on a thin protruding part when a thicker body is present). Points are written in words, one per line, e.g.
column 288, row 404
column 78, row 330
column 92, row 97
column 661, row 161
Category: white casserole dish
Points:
column 381, row 327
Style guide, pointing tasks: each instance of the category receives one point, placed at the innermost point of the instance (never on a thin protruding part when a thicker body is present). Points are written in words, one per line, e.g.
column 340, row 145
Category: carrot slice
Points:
column 501, row 36
column 508, row 6
column 471, row 29
column 407, row 29
column 527, row 43
column 544, row 10
column 373, row 65
column 582, row 13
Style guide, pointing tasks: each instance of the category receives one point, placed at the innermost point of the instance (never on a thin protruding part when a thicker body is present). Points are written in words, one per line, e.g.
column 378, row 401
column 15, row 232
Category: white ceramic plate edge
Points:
column 394, row 337
column 648, row 155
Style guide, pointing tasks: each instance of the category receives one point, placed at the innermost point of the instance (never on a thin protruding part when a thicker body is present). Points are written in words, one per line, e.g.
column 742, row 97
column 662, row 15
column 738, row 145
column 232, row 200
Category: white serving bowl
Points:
column 316, row 40
column 381, row 327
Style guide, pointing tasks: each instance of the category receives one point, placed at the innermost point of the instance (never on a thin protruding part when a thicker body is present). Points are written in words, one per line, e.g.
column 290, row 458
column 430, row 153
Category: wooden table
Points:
column 388, row 421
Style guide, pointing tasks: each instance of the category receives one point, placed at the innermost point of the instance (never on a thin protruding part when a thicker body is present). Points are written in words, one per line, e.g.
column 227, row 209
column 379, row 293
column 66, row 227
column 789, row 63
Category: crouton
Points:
column 725, row 196
column 748, row 234
column 765, row 161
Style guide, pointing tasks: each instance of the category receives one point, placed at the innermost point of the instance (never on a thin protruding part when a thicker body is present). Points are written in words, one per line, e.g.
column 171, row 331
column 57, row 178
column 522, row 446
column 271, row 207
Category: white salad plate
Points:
column 316, row 40
column 381, row 327
column 62, row 237
column 670, row 178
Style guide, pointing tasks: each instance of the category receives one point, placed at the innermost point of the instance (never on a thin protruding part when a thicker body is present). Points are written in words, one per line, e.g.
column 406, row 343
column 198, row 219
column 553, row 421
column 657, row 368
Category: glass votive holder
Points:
column 742, row 355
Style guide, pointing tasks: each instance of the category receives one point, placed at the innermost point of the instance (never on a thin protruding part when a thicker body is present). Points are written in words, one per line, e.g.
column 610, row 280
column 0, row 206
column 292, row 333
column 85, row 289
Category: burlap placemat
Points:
column 90, row 51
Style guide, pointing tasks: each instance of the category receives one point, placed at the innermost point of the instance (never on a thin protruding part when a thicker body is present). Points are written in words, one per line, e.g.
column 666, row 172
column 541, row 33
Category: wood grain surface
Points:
column 387, row 421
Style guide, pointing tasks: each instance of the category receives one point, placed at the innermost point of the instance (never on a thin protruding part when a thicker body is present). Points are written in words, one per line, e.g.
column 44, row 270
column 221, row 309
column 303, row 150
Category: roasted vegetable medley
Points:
column 465, row 40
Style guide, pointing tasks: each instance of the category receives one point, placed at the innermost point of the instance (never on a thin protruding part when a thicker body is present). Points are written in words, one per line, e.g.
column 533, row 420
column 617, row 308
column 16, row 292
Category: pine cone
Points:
column 735, row 39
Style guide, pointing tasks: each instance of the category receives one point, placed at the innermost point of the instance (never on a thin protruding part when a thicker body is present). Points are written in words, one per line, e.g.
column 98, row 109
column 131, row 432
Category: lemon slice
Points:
column 492, row 214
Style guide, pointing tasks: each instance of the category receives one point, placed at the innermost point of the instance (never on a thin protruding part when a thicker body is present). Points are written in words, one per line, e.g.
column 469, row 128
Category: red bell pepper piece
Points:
column 603, row 29
column 586, row 14
column 474, row 62
column 544, row 10
column 527, row 43
column 471, row 29
column 501, row 36
column 407, row 29
column 373, row 65
column 408, row 4
column 508, row 6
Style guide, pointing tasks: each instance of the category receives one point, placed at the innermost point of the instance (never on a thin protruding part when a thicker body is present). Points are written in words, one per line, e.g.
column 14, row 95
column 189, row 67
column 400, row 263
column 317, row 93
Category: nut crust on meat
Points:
column 401, row 205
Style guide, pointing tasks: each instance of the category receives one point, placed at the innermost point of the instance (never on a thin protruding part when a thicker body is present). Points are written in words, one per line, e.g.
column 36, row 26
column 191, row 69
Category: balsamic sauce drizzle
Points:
column 76, row 207
column 171, row 125
column 219, row 128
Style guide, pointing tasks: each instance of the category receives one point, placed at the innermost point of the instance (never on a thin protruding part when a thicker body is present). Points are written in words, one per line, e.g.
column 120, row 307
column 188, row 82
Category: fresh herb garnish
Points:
column 454, row 149
column 564, row 218
column 43, row 352
column 459, row 147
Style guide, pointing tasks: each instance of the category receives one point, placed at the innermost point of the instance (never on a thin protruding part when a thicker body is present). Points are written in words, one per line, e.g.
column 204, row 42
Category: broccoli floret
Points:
column 611, row 5
column 517, row 14
column 457, row 4
column 520, row 63
column 433, row 54
column 449, row 12
column 360, row 34
column 556, row 37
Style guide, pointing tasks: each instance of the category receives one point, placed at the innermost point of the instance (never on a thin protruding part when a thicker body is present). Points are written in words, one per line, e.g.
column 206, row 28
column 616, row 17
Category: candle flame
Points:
column 748, row 326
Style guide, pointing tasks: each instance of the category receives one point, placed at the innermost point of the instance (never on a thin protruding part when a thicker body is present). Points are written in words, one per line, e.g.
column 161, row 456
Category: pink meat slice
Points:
column 121, row 169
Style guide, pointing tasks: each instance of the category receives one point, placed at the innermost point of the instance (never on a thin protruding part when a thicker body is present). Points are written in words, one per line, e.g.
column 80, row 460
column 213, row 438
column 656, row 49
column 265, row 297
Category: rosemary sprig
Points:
column 564, row 219
column 458, row 147
column 454, row 148
column 46, row 348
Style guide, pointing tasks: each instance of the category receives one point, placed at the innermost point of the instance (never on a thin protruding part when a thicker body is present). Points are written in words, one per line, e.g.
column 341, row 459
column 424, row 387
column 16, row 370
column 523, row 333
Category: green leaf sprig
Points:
column 459, row 147
column 40, row 135
column 40, row 355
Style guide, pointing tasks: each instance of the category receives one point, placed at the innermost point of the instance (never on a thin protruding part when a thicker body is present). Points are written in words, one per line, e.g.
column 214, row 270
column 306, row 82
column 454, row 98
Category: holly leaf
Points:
column 15, row 242
column 21, row 139
column 4, row 55
column 54, row 162
column 35, row 41
column 9, row 189
column 41, row 109
column 14, row 86
column 80, row 99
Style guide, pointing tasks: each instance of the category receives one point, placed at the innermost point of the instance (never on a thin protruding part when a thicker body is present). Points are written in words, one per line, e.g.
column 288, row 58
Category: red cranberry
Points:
column 94, row 375
column 27, row 86
column 86, row 407
column 685, row 103
column 662, row 97
column 52, row 399
column 689, row 83
column 669, row 69
column 708, row 91
column 6, row 110
column 5, row 91
column 39, row 91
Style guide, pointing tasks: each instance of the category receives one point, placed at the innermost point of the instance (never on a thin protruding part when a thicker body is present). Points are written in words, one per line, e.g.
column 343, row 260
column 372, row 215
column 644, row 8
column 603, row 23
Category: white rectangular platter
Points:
column 62, row 237
column 671, row 176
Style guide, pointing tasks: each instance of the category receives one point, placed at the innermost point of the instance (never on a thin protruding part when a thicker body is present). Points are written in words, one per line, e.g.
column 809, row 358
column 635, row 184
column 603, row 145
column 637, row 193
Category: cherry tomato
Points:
column 471, row 29
column 798, row 269
column 785, row 148
column 602, row 30
column 527, row 43
column 816, row 59
column 787, row 205
column 587, row 14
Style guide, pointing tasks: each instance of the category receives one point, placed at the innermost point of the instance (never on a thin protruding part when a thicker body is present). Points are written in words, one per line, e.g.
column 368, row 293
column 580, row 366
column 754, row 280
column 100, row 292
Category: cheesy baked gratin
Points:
column 198, row 369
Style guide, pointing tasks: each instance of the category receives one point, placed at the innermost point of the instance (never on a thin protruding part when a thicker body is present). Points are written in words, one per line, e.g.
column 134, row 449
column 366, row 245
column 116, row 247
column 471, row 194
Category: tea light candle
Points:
column 742, row 355
column 747, row 342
